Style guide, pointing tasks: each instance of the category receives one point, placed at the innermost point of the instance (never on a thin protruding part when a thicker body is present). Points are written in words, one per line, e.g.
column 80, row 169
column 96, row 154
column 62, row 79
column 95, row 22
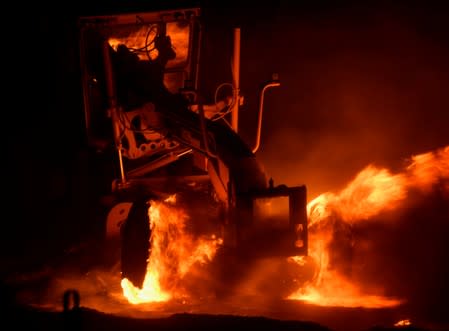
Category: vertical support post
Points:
column 236, row 78
column 298, row 218
column 112, row 99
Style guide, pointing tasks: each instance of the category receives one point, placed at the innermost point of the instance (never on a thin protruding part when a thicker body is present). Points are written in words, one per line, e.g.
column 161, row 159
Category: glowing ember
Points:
column 140, row 41
column 405, row 322
column 173, row 253
column 373, row 191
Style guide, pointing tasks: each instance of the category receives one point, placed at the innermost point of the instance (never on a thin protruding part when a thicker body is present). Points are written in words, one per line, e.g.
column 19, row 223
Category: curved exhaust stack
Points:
column 236, row 80
column 272, row 83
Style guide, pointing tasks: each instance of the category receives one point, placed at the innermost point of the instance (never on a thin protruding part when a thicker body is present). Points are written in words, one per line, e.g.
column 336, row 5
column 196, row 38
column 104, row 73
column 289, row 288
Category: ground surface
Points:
column 35, row 300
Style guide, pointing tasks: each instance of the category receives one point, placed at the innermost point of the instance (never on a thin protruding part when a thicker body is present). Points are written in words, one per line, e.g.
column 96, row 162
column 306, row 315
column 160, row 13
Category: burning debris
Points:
column 403, row 323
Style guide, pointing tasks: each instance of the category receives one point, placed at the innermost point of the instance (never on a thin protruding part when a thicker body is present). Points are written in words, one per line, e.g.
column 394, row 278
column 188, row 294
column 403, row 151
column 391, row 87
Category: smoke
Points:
column 404, row 253
column 359, row 84
column 365, row 85
column 386, row 233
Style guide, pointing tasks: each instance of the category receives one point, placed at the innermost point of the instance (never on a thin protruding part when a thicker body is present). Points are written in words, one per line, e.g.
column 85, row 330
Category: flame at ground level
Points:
column 150, row 292
column 348, row 296
column 336, row 291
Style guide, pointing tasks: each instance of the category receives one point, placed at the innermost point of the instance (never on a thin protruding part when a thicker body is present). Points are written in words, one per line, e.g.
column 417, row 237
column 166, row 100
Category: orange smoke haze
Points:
column 372, row 192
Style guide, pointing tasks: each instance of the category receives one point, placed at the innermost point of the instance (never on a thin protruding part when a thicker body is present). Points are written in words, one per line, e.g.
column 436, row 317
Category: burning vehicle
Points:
column 169, row 210
column 140, row 76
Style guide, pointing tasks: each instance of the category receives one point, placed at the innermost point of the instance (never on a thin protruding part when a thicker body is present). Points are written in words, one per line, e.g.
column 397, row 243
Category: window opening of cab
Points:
column 142, row 39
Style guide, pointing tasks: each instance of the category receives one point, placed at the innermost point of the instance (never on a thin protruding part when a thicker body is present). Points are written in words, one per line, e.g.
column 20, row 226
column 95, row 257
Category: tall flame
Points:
column 374, row 190
column 173, row 253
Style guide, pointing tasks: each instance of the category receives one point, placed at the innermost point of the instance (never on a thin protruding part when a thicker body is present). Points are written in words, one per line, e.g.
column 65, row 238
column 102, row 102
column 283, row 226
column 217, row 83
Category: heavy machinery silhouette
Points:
column 140, row 76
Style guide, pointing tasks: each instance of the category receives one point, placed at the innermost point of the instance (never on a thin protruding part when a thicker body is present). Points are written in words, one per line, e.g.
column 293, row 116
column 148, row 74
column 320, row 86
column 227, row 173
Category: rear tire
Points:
column 135, row 243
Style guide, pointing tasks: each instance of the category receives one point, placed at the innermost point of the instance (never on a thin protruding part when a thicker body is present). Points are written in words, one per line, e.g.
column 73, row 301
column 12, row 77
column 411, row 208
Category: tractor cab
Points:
column 140, row 85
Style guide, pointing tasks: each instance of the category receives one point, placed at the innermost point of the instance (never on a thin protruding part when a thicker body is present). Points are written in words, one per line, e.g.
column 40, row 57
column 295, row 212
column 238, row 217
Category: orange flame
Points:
column 173, row 253
column 329, row 288
column 142, row 41
column 373, row 190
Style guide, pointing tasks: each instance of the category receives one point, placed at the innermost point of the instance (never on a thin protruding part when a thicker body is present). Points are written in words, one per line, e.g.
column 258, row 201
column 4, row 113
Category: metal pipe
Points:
column 85, row 84
column 112, row 100
column 158, row 163
column 236, row 80
column 273, row 83
column 204, row 132
column 197, row 54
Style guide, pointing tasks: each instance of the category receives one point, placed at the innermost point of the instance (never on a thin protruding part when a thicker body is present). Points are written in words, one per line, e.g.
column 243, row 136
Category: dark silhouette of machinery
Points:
column 140, row 85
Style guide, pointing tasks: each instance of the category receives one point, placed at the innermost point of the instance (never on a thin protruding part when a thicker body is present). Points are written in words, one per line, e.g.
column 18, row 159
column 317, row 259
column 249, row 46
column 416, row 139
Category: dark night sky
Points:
column 361, row 83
